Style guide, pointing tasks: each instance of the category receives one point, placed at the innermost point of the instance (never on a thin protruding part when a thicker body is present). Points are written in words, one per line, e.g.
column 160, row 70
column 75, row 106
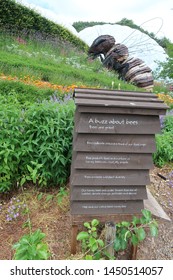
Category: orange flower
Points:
column 39, row 83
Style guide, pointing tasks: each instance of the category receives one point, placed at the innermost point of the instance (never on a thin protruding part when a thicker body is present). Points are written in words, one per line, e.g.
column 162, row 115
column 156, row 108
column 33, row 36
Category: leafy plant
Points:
column 47, row 198
column 168, row 122
column 19, row 19
column 31, row 247
column 164, row 141
column 134, row 231
column 33, row 174
column 91, row 244
column 164, row 149
column 61, row 194
column 49, row 140
column 10, row 144
column 35, row 143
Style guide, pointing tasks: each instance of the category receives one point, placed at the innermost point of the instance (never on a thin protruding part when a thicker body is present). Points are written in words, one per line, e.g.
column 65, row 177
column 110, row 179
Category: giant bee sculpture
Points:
column 115, row 57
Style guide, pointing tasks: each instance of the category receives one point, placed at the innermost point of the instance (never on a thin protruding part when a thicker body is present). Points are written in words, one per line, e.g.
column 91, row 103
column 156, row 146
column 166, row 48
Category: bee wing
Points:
column 143, row 46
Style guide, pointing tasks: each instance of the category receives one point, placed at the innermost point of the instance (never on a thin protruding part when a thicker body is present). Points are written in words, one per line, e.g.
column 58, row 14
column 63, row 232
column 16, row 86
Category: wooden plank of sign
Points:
column 84, row 160
column 110, row 177
column 116, row 124
column 116, row 110
column 114, row 92
column 108, row 193
column 114, row 143
column 120, row 104
column 106, row 207
column 78, row 219
column 118, row 97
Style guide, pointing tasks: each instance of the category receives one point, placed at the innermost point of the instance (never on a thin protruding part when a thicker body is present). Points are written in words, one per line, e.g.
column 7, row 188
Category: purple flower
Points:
column 64, row 99
column 14, row 209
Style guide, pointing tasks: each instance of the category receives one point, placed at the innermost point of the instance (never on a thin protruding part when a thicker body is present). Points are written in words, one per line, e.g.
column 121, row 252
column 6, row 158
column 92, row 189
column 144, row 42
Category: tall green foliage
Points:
column 35, row 143
column 22, row 20
column 166, row 68
column 164, row 143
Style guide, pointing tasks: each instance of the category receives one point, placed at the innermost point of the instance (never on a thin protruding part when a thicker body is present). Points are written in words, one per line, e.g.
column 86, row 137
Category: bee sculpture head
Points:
column 101, row 45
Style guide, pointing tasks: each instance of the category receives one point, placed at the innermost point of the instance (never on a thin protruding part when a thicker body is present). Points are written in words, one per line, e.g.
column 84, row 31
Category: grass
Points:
column 56, row 65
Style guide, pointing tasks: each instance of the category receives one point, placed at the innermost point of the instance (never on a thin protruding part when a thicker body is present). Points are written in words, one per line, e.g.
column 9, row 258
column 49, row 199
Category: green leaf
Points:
column 37, row 236
column 88, row 257
column 59, row 199
column 93, row 229
column 26, row 224
column 23, row 181
column 123, row 244
column 117, row 244
column 49, row 197
column 42, row 251
column 87, row 225
column 135, row 220
column 94, row 247
column 21, row 256
column 82, row 235
column 141, row 234
column 153, row 230
column 100, row 242
column 147, row 214
column 62, row 160
column 92, row 241
column 39, row 196
column 29, row 168
column 94, row 222
column 143, row 220
column 34, row 176
column 16, row 246
column 125, row 224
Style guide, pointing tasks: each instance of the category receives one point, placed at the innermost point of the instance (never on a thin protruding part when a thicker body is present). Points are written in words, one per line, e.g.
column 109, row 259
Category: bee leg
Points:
column 122, row 71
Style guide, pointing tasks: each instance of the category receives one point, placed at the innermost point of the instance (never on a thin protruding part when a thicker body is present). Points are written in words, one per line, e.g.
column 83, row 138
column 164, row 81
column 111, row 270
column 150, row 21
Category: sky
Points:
column 152, row 15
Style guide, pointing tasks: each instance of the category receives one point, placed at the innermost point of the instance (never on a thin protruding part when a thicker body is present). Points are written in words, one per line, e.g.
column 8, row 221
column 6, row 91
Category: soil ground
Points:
column 54, row 220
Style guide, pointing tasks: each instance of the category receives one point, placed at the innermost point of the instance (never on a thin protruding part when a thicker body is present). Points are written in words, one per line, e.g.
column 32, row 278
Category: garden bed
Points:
column 54, row 220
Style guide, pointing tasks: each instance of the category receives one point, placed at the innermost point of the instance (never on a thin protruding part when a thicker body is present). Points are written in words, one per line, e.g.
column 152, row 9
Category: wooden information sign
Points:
column 113, row 142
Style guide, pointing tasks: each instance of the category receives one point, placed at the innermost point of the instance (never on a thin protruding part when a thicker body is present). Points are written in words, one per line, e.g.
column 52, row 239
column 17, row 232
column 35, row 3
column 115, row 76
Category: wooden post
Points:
column 73, row 239
column 134, row 249
column 110, row 233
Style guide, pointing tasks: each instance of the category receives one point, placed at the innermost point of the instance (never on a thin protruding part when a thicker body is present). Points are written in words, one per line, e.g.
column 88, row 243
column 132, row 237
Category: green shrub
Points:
column 164, row 149
column 10, row 144
column 48, row 140
column 164, row 142
column 23, row 93
column 168, row 124
column 134, row 232
column 35, row 143
column 22, row 20
column 31, row 247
